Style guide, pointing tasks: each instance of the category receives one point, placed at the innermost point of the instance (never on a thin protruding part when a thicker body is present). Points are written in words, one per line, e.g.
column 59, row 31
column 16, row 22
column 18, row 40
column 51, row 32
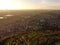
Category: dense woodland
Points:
column 37, row 27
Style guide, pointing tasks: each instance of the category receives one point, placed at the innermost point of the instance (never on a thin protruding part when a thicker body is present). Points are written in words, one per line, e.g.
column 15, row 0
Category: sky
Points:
column 29, row 4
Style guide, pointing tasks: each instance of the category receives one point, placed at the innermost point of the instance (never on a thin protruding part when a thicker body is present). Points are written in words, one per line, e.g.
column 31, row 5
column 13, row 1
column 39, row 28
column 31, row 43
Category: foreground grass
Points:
column 32, row 38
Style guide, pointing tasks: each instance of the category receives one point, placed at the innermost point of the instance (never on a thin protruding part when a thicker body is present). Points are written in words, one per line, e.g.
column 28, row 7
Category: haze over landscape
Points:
column 29, row 22
column 29, row 4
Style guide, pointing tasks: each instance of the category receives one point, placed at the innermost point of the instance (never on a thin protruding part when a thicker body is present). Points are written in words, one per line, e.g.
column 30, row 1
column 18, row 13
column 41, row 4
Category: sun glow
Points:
column 26, row 5
column 11, row 5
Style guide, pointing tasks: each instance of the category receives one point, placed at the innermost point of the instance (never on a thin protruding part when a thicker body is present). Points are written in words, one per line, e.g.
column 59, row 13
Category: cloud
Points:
column 32, row 4
column 44, row 4
column 37, row 4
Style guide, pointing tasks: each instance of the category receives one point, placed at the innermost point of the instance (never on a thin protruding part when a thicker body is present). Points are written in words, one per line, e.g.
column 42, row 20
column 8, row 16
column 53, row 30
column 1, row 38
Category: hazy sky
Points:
column 29, row 4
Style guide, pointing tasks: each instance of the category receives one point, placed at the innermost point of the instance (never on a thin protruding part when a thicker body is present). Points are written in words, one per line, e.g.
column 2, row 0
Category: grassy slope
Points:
column 32, row 38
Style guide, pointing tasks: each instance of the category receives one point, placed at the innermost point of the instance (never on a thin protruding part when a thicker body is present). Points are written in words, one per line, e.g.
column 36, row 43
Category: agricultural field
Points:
column 30, row 27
